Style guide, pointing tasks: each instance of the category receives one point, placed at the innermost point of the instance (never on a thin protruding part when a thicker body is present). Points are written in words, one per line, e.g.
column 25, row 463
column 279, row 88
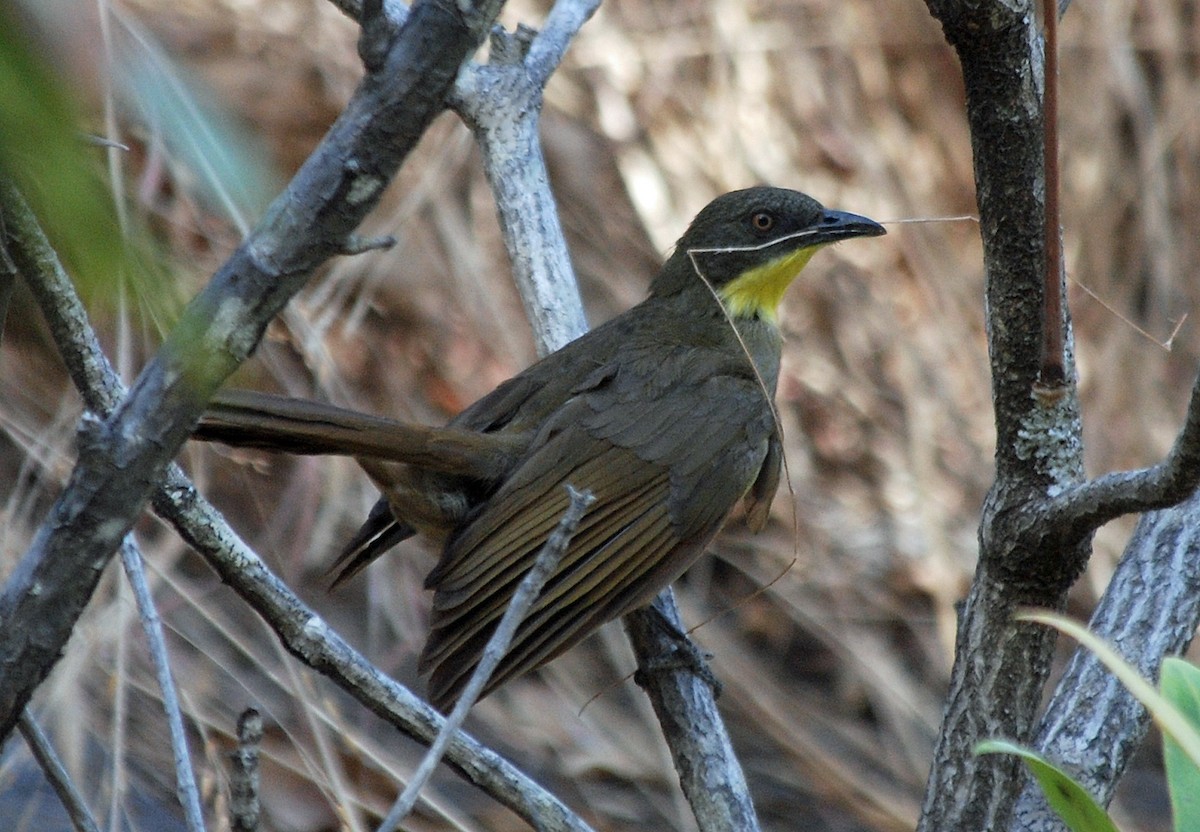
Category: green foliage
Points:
column 43, row 151
column 1165, row 714
column 1065, row 795
column 1180, row 683
column 46, row 152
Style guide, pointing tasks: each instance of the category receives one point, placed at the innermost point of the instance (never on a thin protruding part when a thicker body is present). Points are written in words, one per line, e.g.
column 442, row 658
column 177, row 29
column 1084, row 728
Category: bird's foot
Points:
column 683, row 655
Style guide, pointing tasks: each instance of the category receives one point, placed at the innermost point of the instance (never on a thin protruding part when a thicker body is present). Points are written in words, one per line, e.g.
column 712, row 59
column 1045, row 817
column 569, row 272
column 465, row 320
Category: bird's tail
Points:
column 380, row 532
column 248, row 419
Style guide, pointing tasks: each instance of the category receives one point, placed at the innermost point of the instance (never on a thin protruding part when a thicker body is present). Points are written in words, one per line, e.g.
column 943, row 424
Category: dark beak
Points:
column 841, row 225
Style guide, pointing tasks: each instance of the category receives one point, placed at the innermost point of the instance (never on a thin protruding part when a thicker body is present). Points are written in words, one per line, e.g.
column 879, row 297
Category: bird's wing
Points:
column 515, row 406
column 665, row 463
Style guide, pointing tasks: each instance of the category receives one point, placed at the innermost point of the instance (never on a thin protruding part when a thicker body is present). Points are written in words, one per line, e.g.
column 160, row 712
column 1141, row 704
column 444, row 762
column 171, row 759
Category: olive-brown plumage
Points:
column 663, row 413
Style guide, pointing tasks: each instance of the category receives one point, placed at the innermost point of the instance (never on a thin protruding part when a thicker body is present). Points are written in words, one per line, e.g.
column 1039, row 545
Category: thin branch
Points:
column 501, row 102
column 185, row 777
column 527, row 592
column 90, row 370
column 562, row 25
column 56, row 773
column 244, row 806
column 709, row 772
column 1052, row 374
column 1080, row 510
column 299, row 629
column 121, row 461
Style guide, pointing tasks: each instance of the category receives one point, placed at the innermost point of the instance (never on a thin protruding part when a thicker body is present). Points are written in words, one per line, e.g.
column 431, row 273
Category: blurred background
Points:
column 833, row 630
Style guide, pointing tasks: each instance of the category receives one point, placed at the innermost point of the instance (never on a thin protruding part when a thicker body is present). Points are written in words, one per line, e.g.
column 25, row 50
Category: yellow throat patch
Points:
column 759, row 290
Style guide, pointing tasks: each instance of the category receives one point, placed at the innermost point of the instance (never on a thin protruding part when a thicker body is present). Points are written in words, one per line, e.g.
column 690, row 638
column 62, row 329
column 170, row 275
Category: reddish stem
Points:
column 1052, row 373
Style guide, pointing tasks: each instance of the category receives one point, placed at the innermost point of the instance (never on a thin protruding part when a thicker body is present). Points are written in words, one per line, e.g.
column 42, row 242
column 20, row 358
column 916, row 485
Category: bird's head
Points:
column 750, row 244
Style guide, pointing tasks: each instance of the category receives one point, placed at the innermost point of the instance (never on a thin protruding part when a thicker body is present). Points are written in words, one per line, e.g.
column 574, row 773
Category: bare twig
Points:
column 711, row 777
column 244, row 806
column 1052, row 374
column 60, row 780
column 185, row 777
column 1076, row 512
column 88, row 366
column 502, row 102
column 527, row 592
column 120, row 464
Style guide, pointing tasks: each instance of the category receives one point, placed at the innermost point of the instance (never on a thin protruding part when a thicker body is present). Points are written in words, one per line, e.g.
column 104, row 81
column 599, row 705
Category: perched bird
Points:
column 664, row 413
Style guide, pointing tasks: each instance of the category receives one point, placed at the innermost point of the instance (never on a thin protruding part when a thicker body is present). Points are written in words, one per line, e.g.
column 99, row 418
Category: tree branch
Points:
column 709, row 771
column 501, row 102
column 1035, row 532
column 1078, row 511
column 127, row 454
column 1000, row 667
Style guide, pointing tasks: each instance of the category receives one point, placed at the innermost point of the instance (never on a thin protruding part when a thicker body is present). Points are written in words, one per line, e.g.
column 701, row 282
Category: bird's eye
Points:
column 763, row 221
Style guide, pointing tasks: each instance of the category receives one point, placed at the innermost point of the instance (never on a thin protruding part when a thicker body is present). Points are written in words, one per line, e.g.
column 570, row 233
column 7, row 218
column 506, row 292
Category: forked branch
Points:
column 1080, row 510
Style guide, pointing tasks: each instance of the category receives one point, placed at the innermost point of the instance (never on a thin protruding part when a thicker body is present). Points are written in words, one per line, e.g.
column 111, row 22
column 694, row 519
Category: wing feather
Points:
column 462, row 612
column 549, row 631
column 482, row 612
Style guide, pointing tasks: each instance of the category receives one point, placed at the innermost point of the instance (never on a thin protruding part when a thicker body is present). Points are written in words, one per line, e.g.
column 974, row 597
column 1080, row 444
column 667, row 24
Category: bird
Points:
column 664, row 413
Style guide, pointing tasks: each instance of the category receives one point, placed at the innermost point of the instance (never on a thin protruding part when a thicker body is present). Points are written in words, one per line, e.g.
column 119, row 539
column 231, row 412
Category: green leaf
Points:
column 1079, row 811
column 43, row 151
column 1180, row 684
